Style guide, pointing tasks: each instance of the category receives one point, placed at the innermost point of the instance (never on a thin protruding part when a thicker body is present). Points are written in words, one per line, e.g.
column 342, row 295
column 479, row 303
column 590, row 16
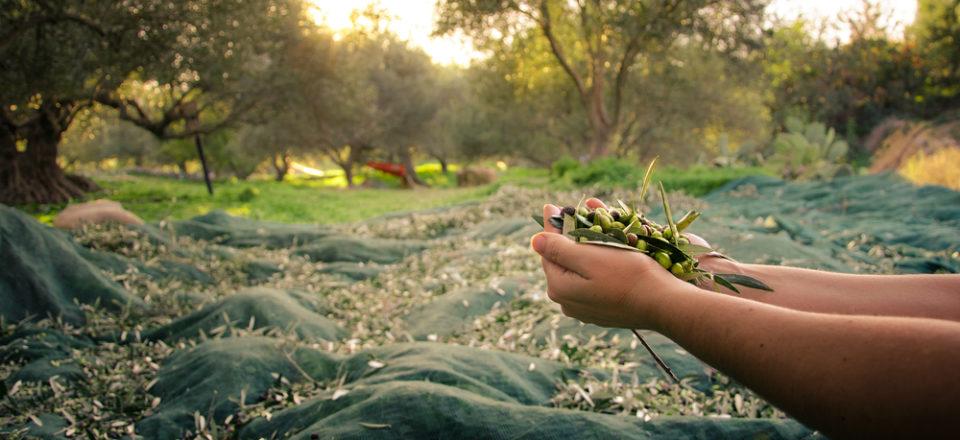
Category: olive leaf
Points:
column 556, row 222
column 584, row 220
column 375, row 425
column 694, row 249
column 618, row 234
column 661, row 245
column 623, row 207
column 646, row 179
column 719, row 279
column 612, row 244
column 569, row 224
column 633, row 227
column 687, row 219
column 593, row 236
column 744, row 280
column 666, row 211
column 538, row 218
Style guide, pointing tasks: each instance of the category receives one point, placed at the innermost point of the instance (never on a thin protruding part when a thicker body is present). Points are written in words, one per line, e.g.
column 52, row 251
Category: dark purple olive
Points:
column 569, row 210
column 632, row 239
column 615, row 214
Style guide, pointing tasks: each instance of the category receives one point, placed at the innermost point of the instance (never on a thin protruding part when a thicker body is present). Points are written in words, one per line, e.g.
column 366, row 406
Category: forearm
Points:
column 928, row 296
column 844, row 375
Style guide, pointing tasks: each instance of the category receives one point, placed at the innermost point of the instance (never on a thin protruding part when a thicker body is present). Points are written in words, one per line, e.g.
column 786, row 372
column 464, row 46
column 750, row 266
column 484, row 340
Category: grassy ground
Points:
column 295, row 201
column 300, row 200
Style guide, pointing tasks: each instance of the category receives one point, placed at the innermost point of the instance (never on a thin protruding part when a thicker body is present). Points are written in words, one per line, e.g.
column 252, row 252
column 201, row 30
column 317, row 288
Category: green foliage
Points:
column 611, row 173
column 606, row 172
column 593, row 58
column 809, row 150
column 937, row 30
column 564, row 165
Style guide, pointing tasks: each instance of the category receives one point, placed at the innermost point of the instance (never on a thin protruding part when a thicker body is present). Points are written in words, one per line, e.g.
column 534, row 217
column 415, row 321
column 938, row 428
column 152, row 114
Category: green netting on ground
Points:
column 359, row 250
column 454, row 311
column 220, row 227
column 44, row 275
column 325, row 333
column 39, row 351
column 254, row 309
column 842, row 224
column 401, row 391
column 209, row 379
column 424, row 409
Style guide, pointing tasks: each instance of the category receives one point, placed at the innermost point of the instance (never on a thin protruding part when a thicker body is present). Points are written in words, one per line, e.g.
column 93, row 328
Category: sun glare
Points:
column 412, row 20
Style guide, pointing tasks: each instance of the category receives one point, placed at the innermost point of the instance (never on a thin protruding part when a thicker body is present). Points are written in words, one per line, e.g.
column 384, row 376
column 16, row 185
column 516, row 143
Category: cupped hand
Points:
column 603, row 286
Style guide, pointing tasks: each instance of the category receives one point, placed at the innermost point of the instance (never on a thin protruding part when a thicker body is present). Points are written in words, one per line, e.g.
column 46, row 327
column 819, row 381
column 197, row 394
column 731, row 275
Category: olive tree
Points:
column 199, row 59
column 599, row 44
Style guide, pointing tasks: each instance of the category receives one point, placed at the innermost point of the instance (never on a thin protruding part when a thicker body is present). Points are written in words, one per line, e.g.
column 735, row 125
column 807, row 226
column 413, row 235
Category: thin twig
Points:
column 663, row 365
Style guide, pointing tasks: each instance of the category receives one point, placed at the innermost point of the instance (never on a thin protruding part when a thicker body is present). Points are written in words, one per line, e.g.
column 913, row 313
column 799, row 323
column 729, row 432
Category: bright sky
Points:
column 413, row 20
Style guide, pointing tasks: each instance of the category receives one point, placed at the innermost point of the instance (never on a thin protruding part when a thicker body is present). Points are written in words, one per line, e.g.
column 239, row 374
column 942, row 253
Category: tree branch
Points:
column 35, row 21
column 547, row 26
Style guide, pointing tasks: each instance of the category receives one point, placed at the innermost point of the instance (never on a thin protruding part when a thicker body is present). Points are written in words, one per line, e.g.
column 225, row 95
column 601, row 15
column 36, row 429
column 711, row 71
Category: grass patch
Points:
column 293, row 201
column 315, row 200
column 615, row 173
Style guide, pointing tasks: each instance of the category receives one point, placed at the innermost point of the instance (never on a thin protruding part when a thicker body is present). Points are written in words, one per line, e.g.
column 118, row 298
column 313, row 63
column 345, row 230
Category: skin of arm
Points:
column 918, row 296
column 846, row 375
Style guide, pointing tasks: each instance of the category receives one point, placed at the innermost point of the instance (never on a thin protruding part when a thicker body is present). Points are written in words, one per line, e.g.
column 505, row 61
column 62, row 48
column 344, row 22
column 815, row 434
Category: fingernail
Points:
column 538, row 242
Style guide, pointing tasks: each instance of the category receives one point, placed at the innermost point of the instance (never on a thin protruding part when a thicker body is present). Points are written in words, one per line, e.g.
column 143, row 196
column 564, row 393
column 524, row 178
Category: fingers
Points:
column 696, row 239
column 561, row 282
column 550, row 211
column 594, row 203
column 563, row 252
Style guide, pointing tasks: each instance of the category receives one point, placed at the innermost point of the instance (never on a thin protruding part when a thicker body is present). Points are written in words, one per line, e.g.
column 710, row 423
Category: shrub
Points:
column 939, row 168
column 564, row 165
column 809, row 151
column 608, row 171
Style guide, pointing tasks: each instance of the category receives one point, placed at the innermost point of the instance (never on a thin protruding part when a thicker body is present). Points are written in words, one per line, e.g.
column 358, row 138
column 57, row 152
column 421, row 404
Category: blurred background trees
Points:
column 100, row 85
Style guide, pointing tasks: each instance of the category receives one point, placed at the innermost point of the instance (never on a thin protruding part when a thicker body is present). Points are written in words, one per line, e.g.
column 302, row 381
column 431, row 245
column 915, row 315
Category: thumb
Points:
column 562, row 251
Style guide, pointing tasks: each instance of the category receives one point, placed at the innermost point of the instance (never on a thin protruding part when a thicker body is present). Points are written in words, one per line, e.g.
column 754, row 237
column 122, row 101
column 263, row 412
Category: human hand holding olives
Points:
column 600, row 285
column 819, row 348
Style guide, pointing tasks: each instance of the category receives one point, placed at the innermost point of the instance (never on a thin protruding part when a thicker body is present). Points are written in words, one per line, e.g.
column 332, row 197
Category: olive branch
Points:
column 629, row 229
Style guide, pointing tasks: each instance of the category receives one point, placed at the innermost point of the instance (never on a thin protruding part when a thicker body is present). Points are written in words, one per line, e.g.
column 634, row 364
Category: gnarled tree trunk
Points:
column 281, row 165
column 33, row 175
column 410, row 177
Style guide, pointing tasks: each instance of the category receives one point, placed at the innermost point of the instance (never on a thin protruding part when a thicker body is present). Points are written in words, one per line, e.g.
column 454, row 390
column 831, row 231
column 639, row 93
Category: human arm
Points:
column 843, row 374
column 919, row 296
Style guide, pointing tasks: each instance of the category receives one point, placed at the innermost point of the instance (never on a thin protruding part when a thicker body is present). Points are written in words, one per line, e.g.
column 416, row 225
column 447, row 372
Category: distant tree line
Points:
column 134, row 82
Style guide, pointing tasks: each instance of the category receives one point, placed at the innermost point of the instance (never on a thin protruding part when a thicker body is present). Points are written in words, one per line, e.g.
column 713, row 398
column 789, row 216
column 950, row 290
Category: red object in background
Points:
column 389, row 168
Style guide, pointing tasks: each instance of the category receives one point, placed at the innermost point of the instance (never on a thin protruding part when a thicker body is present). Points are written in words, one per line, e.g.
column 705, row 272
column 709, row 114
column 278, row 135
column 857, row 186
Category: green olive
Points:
column 677, row 269
column 663, row 259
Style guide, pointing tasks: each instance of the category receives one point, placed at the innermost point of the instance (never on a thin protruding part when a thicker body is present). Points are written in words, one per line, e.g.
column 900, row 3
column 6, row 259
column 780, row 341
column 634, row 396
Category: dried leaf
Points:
column 375, row 425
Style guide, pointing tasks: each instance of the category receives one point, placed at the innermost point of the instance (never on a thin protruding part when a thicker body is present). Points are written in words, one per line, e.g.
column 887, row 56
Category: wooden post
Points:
column 203, row 163
column 193, row 124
